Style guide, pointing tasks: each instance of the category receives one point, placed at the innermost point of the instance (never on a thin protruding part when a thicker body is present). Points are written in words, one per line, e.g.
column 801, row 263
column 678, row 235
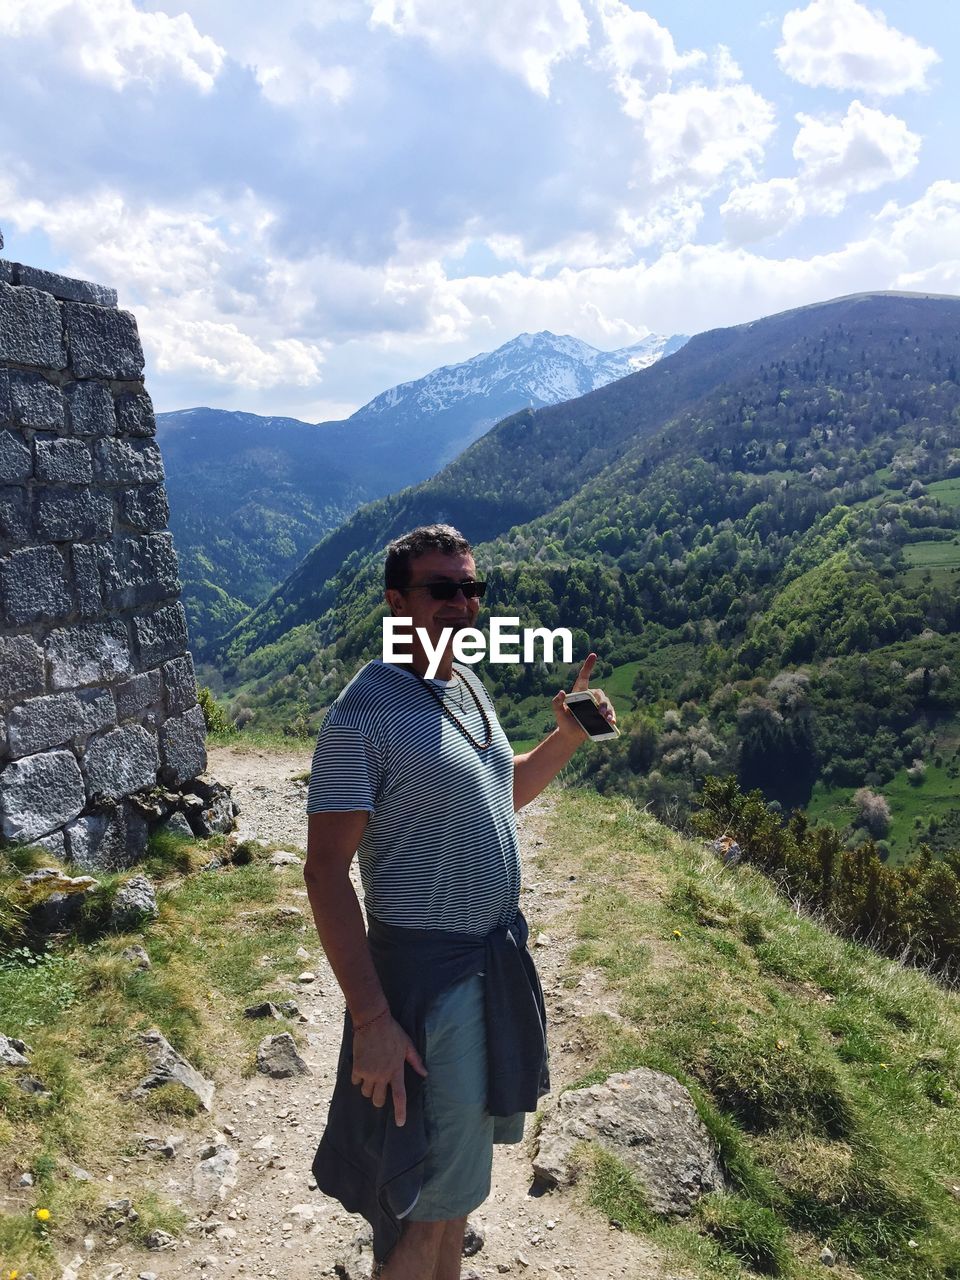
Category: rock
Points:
column 159, row 1239
column 290, row 1009
column 15, row 523
column 34, row 587
column 283, row 859
column 62, row 461
column 216, row 816
column 21, row 667
column 31, row 331
column 127, row 462
column 169, row 1066
column 80, row 1175
column 91, row 653
column 828, row 1257
column 144, row 571
column 182, row 750
column 166, row 1147
column 473, row 1238
column 160, row 635
column 277, row 1057
column 55, row 844
column 216, row 1173
column 16, row 460
column 51, row 721
column 104, row 342
column 302, row 953
column 23, row 1181
column 135, row 902
column 180, row 685
column 177, row 825
column 145, row 508
column 120, row 762
column 86, row 562
column 35, row 403
column 648, row 1121
column 265, row 1010
column 136, row 694
column 136, row 955
column 38, row 794
column 135, row 415
column 89, row 409
column 30, row 1084
column 306, row 977
column 65, row 287
column 110, row 839
column 67, row 515
column 13, row 1052
column 58, row 904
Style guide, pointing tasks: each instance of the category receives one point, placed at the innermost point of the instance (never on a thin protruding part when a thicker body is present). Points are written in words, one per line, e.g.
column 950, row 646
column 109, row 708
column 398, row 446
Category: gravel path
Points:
column 274, row 1223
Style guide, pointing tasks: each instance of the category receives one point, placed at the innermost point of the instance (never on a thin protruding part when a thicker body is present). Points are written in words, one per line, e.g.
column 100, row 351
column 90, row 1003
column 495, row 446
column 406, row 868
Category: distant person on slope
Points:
column 444, row 1008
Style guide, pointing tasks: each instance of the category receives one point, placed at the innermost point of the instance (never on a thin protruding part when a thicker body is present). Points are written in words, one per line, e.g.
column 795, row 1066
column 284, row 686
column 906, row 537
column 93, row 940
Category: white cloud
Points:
column 525, row 39
column 115, row 42
column 698, row 134
column 842, row 157
column 639, row 51
column 841, row 44
column 298, row 80
column 761, row 209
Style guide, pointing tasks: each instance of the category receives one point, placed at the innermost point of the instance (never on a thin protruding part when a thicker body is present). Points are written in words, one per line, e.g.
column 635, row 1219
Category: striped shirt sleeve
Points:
column 346, row 773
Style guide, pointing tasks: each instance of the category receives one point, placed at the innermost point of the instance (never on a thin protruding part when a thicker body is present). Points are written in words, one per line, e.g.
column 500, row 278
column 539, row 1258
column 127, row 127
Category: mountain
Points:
column 250, row 495
column 760, row 536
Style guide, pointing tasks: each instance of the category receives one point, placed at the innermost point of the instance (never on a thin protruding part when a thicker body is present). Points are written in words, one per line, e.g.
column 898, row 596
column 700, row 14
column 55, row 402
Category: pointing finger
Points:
column 399, row 1099
column 583, row 677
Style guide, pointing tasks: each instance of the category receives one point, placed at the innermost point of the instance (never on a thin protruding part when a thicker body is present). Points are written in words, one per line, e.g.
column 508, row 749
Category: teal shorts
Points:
column 460, row 1130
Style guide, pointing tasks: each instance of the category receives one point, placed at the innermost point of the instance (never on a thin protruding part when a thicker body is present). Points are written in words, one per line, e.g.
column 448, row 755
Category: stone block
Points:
column 180, row 683
column 138, row 693
column 66, row 515
column 31, row 331
column 145, row 508
column 63, row 461
column 120, row 762
column 65, row 288
column 34, row 586
column 54, row 720
column 135, row 415
column 16, row 460
column 128, row 462
column 5, row 409
column 90, row 409
column 182, row 747
column 35, row 403
column 21, row 667
column 6, row 271
column 39, row 794
column 145, row 571
column 160, row 635
column 110, row 840
column 104, row 342
column 86, row 579
column 15, row 522
column 91, row 653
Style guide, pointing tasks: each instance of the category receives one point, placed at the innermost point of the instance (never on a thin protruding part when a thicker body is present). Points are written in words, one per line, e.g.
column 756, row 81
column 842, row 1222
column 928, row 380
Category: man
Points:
column 444, row 1011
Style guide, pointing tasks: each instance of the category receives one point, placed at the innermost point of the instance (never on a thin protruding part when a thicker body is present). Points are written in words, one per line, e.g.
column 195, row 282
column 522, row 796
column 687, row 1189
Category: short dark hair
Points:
column 429, row 537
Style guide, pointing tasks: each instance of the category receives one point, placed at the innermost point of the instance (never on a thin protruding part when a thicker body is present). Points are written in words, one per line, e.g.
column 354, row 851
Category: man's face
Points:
column 420, row 606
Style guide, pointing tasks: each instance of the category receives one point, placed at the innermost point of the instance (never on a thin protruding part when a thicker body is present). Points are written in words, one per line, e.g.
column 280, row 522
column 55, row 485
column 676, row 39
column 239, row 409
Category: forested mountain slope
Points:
column 758, row 535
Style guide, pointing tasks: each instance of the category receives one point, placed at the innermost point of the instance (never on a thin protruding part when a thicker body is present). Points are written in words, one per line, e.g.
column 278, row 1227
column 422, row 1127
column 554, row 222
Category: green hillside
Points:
column 758, row 537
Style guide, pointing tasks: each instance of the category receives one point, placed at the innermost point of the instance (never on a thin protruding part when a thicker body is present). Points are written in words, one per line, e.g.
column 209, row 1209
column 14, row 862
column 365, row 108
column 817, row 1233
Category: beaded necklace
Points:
column 488, row 728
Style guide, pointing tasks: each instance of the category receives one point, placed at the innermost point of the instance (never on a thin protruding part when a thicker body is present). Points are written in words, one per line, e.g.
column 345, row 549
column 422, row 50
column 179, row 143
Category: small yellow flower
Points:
column 42, row 1215
column 677, row 933
column 781, row 1045
column 884, row 1066
column 13, row 1275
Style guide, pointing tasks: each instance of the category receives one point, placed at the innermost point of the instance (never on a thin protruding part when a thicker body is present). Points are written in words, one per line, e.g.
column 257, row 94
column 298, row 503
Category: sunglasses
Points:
column 447, row 590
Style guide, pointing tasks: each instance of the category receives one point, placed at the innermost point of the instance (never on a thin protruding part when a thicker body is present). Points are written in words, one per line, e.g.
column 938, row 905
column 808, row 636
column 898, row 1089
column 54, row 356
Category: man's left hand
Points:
column 567, row 725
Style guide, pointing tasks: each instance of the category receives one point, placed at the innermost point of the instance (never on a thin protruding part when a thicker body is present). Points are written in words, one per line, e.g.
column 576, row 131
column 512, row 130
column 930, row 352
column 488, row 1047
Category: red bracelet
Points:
column 363, row 1025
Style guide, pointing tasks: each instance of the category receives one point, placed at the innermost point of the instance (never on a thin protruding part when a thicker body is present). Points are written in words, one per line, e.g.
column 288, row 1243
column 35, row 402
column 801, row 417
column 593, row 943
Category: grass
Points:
column 217, row 946
column 827, row 1075
column 619, row 685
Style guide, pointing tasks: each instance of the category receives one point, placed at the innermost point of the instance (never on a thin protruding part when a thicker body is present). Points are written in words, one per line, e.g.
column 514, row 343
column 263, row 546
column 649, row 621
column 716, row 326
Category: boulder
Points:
column 135, row 902
column 182, row 747
column 38, row 794
column 120, row 762
column 277, row 1057
column 13, row 1053
column 216, row 1172
column 169, row 1067
column 648, row 1121
column 177, row 825
column 109, row 839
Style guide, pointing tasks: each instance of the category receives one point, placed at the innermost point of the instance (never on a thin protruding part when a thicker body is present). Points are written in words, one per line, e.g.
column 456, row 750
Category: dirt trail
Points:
column 274, row 1223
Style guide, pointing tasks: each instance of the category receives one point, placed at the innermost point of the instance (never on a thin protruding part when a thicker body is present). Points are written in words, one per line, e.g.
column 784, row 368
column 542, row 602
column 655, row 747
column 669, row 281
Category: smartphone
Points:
column 585, row 710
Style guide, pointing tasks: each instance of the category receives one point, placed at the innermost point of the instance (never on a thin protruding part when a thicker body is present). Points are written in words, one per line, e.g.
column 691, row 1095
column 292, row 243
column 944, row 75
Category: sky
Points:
column 307, row 203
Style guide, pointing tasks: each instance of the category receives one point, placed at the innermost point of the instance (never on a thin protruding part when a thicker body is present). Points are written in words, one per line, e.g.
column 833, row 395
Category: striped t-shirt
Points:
column 440, row 850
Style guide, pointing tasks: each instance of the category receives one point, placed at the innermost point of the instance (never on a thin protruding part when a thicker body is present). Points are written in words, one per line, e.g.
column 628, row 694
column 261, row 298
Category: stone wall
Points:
column 98, row 699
